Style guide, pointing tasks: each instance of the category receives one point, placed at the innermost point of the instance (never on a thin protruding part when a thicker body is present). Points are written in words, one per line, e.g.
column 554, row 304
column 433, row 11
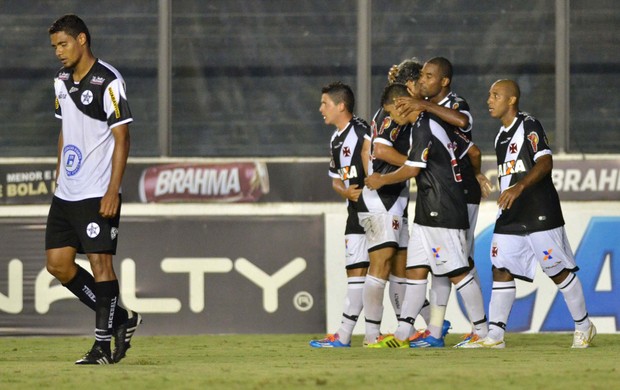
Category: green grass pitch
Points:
column 530, row 361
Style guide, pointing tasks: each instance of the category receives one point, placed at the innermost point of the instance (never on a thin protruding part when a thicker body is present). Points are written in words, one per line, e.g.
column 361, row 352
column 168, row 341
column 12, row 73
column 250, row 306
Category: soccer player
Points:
column 435, row 86
column 530, row 226
column 438, row 236
column 84, row 216
column 350, row 151
column 383, row 214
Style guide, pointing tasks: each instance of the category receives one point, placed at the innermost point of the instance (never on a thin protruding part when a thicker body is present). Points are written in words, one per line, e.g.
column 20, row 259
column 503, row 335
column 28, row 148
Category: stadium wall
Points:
column 261, row 250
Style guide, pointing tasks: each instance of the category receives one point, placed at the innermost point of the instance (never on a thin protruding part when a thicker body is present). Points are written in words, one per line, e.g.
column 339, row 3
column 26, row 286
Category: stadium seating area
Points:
column 247, row 75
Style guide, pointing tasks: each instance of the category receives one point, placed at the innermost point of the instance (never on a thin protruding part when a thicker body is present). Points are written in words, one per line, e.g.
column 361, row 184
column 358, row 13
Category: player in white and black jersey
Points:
column 384, row 216
column 435, row 86
column 93, row 146
column 530, row 227
column 350, row 151
column 437, row 240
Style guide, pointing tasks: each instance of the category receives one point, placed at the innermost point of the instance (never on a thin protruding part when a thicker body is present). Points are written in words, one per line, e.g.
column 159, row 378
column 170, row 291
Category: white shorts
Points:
column 472, row 212
column 383, row 230
column 356, row 251
column 440, row 249
column 519, row 254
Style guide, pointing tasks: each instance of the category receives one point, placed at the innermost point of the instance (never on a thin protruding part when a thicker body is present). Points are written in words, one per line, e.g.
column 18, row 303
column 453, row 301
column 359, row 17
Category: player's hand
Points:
column 109, row 205
column 392, row 74
column 510, row 194
column 405, row 105
column 485, row 184
column 373, row 182
column 353, row 192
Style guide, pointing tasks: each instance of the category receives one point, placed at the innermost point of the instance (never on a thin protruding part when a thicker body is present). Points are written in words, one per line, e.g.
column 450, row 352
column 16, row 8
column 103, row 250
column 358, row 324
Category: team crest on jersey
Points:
column 425, row 155
column 346, row 151
column 87, row 97
column 395, row 224
column 494, row 250
column 394, row 133
column 97, row 80
column 455, row 106
column 92, row 230
column 533, row 138
column 73, row 159
column 387, row 122
column 64, row 76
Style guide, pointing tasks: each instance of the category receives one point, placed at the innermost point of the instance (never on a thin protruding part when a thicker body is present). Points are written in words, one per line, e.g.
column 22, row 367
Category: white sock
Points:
column 374, row 289
column 396, row 290
column 573, row 296
column 438, row 297
column 425, row 312
column 472, row 299
column 502, row 299
column 353, row 304
column 415, row 295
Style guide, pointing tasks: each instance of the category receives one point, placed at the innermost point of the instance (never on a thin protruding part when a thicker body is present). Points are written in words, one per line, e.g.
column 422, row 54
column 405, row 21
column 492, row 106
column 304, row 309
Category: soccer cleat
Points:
column 487, row 342
column 584, row 339
column 427, row 341
column 123, row 335
column 96, row 356
column 466, row 339
column 330, row 341
column 424, row 332
column 447, row 325
column 389, row 341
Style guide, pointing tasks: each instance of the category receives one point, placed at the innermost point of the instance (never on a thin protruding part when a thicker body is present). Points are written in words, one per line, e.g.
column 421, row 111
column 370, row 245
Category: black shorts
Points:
column 79, row 225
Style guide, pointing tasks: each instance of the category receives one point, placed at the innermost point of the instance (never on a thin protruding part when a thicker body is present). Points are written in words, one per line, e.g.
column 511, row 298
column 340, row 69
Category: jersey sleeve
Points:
column 421, row 142
column 115, row 104
column 535, row 138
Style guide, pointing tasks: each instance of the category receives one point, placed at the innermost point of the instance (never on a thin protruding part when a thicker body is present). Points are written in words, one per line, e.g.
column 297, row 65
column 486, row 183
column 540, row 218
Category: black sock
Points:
column 107, row 296
column 83, row 286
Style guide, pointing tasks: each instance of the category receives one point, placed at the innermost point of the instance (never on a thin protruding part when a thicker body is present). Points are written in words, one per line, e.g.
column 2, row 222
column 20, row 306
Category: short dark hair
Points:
column 444, row 65
column 408, row 70
column 393, row 91
column 340, row 92
column 72, row 25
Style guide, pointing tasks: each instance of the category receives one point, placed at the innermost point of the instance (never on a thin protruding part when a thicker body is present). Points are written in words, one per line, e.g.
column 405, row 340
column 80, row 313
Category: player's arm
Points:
column 59, row 157
column 388, row 154
column 351, row 193
column 543, row 167
column 475, row 156
column 110, row 201
column 366, row 155
column 449, row 115
column 406, row 172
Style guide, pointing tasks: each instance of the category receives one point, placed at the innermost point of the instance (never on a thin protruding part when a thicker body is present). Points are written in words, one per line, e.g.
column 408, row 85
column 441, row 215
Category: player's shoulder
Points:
column 103, row 74
column 457, row 102
column 529, row 121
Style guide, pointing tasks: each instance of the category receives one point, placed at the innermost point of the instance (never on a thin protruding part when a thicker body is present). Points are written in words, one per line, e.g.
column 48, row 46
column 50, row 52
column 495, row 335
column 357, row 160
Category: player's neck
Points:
column 83, row 67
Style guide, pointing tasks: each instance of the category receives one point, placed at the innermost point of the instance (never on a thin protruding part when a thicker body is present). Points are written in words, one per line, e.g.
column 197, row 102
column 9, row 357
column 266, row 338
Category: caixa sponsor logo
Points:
column 539, row 306
column 196, row 268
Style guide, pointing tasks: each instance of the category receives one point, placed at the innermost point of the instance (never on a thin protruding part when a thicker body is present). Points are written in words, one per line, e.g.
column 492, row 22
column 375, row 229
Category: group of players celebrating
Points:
column 423, row 130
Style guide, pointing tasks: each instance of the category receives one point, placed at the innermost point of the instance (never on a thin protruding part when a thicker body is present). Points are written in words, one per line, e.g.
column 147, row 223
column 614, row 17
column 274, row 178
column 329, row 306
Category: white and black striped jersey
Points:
column 473, row 194
column 440, row 199
column 391, row 198
column 89, row 109
column 347, row 164
column 517, row 148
